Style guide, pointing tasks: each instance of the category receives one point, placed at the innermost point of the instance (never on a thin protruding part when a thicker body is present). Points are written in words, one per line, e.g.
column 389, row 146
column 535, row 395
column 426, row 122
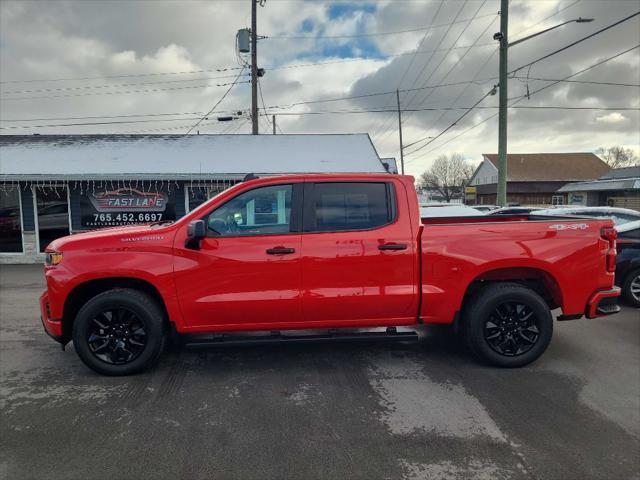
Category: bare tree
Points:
column 447, row 176
column 617, row 157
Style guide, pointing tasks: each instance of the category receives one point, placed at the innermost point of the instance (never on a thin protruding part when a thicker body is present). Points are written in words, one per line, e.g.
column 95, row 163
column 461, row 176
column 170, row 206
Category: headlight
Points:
column 52, row 259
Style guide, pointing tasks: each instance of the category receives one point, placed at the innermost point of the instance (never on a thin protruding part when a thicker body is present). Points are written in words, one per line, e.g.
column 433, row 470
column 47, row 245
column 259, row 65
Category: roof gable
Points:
column 541, row 167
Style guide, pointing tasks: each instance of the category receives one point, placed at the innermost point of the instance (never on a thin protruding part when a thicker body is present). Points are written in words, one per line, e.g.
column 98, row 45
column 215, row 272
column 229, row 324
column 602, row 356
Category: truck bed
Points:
column 563, row 254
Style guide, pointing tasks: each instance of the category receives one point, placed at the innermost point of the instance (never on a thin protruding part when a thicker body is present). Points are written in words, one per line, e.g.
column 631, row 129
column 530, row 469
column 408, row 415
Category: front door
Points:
column 246, row 274
column 358, row 255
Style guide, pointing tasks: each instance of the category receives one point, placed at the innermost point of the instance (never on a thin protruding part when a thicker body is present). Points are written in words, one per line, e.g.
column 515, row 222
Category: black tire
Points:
column 507, row 325
column 130, row 322
column 632, row 280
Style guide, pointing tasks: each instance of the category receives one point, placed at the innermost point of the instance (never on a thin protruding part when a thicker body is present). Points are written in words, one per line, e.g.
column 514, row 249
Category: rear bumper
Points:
column 52, row 327
column 603, row 302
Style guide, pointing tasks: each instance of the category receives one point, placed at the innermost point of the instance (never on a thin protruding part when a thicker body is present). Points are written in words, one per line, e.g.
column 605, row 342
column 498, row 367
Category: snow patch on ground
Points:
column 301, row 395
column 30, row 388
column 413, row 403
column 446, row 470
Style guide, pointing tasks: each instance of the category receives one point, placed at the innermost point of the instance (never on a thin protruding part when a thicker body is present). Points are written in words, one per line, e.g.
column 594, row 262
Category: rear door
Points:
column 358, row 255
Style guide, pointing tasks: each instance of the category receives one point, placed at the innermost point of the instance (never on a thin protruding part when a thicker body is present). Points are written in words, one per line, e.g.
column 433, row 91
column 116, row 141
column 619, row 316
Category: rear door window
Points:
column 343, row 206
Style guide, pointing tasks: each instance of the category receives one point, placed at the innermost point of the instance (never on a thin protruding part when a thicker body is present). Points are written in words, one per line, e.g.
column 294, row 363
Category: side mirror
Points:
column 196, row 231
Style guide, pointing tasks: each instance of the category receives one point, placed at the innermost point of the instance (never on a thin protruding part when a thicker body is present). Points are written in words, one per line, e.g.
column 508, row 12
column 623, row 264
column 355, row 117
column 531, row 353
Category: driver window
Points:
column 261, row 211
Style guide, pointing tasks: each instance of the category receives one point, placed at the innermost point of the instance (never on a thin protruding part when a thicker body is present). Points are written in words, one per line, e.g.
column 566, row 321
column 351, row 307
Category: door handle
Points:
column 393, row 246
column 280, row 251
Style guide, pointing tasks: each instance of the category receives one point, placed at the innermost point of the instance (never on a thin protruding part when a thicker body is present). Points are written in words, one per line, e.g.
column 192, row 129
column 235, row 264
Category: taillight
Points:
column 610, row 234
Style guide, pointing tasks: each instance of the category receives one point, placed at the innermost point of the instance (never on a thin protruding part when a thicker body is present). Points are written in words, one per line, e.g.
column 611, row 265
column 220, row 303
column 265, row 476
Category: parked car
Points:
column 514, row 211
column 447, row 210
column 618, row 215
column 485, row 208
column 628, row 262
column 336, row 252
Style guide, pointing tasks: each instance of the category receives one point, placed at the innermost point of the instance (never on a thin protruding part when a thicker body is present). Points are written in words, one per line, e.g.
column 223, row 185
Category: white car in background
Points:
column 448, row 210
column 619, row 216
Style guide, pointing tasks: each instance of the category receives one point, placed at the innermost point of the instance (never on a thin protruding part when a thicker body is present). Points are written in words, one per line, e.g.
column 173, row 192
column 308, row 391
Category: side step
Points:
column 276, row 337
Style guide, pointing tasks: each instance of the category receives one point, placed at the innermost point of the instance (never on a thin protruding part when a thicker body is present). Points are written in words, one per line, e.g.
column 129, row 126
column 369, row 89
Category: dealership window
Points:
column 111, row 205
column 261, row 211
column 10, row 221
column 52, row 209
column 197, row 195
column 557, row 200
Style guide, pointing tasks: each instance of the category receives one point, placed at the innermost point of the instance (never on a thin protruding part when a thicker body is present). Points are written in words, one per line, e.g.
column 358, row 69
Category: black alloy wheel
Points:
column 511, row 329
column 120, row 332
column 507, row 324
column 117, row 336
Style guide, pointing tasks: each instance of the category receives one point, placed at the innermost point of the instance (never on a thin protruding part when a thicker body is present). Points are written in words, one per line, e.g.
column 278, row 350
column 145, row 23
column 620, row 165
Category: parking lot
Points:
column 414, row 411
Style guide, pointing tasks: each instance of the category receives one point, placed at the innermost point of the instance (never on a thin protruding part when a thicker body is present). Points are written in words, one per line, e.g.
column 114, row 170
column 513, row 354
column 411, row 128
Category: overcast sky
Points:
column 68, row 59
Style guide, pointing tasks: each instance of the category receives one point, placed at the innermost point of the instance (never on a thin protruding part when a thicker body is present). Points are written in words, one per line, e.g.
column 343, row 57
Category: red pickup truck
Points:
column 333, row 252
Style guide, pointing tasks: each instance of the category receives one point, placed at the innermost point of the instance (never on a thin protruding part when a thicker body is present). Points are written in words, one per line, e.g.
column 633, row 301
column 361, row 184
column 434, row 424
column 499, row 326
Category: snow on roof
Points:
column 24, row 157
column 602, row 185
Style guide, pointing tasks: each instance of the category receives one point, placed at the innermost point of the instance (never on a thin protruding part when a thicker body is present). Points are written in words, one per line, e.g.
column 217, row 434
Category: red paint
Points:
column 336, row 279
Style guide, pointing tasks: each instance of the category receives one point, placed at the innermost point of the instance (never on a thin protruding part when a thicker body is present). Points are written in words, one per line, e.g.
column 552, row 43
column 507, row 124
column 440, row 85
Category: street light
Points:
column 502, row 37
column 576, row 20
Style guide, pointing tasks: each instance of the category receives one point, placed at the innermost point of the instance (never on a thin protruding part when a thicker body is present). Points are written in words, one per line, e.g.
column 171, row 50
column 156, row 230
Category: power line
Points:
column 217, row 103
column 115, row 85
column 282, row 67
column 527, row 96
column 116, row 122
column 428, row 94
column 373, row 34
column 132, row 75
column 436, row 109
column 586, row 82
column 97, row 117
column 522, row 98
column 524, row 30
column 555, row 82
column 490, row 92
column 381, row 57
column 385, row 128
column 125, row 92
column 478, row 72
column 615, row 24
column 321, row 112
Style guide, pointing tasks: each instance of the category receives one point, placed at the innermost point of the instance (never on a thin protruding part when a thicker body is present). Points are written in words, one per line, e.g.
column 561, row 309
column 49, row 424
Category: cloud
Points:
column 107, row 38
column 614, row 117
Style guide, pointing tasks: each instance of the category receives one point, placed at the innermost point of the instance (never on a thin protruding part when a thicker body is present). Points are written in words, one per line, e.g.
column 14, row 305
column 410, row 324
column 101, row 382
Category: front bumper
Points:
column 603, row 302
column 52, row 327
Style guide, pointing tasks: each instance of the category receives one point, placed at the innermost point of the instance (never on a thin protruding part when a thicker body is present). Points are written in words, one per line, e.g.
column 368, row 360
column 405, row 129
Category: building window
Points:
column 52, row 209
column 196, row 196
column 557, row 200
column 10, row 221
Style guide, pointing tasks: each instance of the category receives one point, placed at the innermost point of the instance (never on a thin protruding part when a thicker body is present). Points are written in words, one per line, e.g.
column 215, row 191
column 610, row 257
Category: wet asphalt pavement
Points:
column 334, row 411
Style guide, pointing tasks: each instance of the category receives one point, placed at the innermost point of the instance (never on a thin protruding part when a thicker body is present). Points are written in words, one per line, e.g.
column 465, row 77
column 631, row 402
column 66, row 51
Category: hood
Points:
column 123, row 232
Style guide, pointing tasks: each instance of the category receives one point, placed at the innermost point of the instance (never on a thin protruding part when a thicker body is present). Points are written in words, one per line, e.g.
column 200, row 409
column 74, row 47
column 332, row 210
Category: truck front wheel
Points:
column 119, row 332
column 507, row 325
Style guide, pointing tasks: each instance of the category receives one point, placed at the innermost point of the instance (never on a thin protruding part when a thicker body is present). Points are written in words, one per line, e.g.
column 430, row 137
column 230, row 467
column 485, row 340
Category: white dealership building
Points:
column 55, row 185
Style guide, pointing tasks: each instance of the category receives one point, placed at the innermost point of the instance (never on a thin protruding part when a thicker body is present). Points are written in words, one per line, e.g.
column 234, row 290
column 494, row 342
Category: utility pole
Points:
column 273, row 121
column 501, row 197
column 400, row 132
column 254, row 68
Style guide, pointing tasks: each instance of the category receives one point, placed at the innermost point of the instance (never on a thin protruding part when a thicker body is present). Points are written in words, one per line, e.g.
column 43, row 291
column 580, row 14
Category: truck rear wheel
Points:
column 119, row 332
column 507, row 325
column 631, row 288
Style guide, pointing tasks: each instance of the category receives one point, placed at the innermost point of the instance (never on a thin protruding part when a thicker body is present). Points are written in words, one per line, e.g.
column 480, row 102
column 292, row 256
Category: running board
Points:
column 276, row 337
